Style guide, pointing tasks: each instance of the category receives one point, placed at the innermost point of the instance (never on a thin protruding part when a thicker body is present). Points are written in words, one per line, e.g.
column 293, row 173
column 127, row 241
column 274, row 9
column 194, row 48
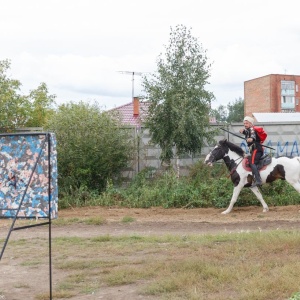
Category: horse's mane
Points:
column 238, row 150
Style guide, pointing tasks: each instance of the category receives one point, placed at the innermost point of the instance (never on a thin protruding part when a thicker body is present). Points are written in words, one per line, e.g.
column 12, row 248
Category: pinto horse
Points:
column 283, row 168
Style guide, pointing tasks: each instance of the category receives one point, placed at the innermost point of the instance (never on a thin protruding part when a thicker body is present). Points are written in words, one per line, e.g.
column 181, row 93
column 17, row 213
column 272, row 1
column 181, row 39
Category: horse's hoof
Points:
column 224, row 212
column 265, row 209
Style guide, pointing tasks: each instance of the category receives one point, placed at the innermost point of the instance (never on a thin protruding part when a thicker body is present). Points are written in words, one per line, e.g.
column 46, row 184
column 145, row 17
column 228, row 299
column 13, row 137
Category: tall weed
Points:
column 203, row 187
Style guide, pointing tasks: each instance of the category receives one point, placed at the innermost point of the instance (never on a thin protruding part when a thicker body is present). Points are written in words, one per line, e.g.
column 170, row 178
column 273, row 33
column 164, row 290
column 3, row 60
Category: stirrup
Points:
column 258, row 184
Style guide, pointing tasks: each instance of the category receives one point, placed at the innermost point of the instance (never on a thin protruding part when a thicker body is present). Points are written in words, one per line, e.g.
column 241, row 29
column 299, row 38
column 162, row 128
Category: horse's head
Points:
column 217, row 153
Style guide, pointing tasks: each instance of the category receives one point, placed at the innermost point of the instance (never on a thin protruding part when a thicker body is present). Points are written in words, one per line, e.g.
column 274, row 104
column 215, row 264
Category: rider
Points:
column 254, row 146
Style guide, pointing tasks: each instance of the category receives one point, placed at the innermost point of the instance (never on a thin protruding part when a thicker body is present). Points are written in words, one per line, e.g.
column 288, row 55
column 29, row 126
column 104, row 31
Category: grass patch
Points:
column 56, row 295
column 127, row 219
column 245, row 265
column 256, row 265
column 21, row 286
column 102, row 238
column 86, row 220
column 85, row 265
column 295, row 296
column 94, row 221
column 31, row 263
column 66, row 221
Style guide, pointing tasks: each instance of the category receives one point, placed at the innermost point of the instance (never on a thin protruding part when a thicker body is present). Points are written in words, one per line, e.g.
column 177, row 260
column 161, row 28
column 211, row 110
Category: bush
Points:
column 204, row 187
column 92, row 147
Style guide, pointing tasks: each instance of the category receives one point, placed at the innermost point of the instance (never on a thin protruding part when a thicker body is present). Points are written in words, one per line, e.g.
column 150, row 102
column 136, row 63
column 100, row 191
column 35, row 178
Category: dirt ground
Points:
column 161, row 221
column 153, row 221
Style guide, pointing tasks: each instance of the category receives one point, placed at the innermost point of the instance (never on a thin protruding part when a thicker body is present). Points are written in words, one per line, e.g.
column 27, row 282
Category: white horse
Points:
column 283, row 168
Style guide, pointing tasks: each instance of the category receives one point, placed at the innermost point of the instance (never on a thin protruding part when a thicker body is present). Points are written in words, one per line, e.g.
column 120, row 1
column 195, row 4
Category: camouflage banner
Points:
column 28, row 176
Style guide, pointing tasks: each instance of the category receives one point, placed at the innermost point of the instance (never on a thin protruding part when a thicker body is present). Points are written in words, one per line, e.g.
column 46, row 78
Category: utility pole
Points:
column 131, row 73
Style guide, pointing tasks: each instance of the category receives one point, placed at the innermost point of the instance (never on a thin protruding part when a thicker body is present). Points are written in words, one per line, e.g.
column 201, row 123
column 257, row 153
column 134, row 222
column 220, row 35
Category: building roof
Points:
column 277, row 117
column 272, row 75
column 128, row 115
column 135, row 112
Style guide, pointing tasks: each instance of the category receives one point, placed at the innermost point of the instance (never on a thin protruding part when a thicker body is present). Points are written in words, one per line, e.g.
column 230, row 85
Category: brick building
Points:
column 272, row 93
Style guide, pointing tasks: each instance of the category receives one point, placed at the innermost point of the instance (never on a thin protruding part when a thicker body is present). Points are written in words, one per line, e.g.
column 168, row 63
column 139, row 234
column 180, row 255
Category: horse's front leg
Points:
column 258, row 195
column 236, row 191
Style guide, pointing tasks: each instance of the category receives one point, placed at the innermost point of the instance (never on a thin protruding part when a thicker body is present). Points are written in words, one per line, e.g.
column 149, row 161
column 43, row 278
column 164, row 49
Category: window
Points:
column 287, row 94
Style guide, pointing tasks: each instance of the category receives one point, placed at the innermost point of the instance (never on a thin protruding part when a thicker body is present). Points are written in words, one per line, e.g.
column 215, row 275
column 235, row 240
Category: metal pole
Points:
column 49, row 215
column 132, row 73
column 47, row 138
column 132, row 86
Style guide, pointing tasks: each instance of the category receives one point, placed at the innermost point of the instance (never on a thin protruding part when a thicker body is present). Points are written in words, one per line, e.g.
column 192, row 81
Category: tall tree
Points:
column 179, row 104
column 42, row 105
column 235, row 111
column 13, row 106
column 18, row 110
column 220, row 113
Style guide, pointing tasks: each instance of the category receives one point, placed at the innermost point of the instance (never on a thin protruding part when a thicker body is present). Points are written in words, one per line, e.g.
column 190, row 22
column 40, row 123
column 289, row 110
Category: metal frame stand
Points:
column 12, row 228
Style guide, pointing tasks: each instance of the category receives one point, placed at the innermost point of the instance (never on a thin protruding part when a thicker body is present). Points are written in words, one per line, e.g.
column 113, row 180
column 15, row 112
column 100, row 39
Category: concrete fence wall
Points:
column 283, row 137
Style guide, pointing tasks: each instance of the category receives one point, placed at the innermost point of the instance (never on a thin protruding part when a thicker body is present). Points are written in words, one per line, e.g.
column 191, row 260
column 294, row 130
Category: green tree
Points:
column 14, row 108
column 18, row 110
column 220, row 113
column 231, row 113
column 41, row 106
column 235, row 111
column 92, row 146
column 179, row 104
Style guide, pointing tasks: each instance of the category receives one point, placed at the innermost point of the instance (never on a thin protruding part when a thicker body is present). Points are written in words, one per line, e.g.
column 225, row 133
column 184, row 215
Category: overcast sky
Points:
column 78, row 47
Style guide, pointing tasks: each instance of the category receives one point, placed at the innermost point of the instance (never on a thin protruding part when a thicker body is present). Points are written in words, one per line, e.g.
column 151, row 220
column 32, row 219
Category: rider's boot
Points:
column 257, row 177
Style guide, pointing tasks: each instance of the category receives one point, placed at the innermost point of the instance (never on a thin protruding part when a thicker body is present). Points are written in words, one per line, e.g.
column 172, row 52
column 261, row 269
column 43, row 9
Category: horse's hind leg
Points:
column 236, row 192
column 258, row 195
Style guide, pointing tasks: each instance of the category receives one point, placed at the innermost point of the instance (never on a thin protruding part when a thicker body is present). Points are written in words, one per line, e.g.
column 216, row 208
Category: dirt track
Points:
column 185, row 221
column 159, row 221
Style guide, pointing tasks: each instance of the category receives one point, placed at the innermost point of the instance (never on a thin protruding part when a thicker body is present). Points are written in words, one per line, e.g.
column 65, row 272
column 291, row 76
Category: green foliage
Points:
column 231, row 113
column 41, row 106
column 280, row 193
column 70, row 195
column 128, row 219
column 204, row 187
column 14, row 107
column 235, row 111
column 91, row 145
column 178, row 114
column 295, row 296
column 220, row 113
column 20, row 110
column 166, row 190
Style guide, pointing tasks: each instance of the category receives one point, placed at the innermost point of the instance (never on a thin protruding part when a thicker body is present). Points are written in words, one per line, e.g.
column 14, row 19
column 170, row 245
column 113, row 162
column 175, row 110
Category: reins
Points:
column 234, row 169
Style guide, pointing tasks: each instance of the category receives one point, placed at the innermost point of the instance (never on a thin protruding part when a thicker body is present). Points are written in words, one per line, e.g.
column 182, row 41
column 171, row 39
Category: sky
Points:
column 87, row 50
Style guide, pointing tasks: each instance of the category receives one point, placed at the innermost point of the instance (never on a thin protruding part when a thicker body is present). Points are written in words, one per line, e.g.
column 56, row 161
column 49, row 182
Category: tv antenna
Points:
column 131, row 73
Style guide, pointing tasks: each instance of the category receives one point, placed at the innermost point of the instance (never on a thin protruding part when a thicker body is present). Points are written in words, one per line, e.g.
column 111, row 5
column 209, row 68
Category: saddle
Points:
column 265, row 160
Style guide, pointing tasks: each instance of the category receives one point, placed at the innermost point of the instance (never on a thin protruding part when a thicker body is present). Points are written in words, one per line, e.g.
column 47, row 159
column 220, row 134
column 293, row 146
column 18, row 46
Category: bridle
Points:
column 234, row 169
column 217, row 150
column 213, row 156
